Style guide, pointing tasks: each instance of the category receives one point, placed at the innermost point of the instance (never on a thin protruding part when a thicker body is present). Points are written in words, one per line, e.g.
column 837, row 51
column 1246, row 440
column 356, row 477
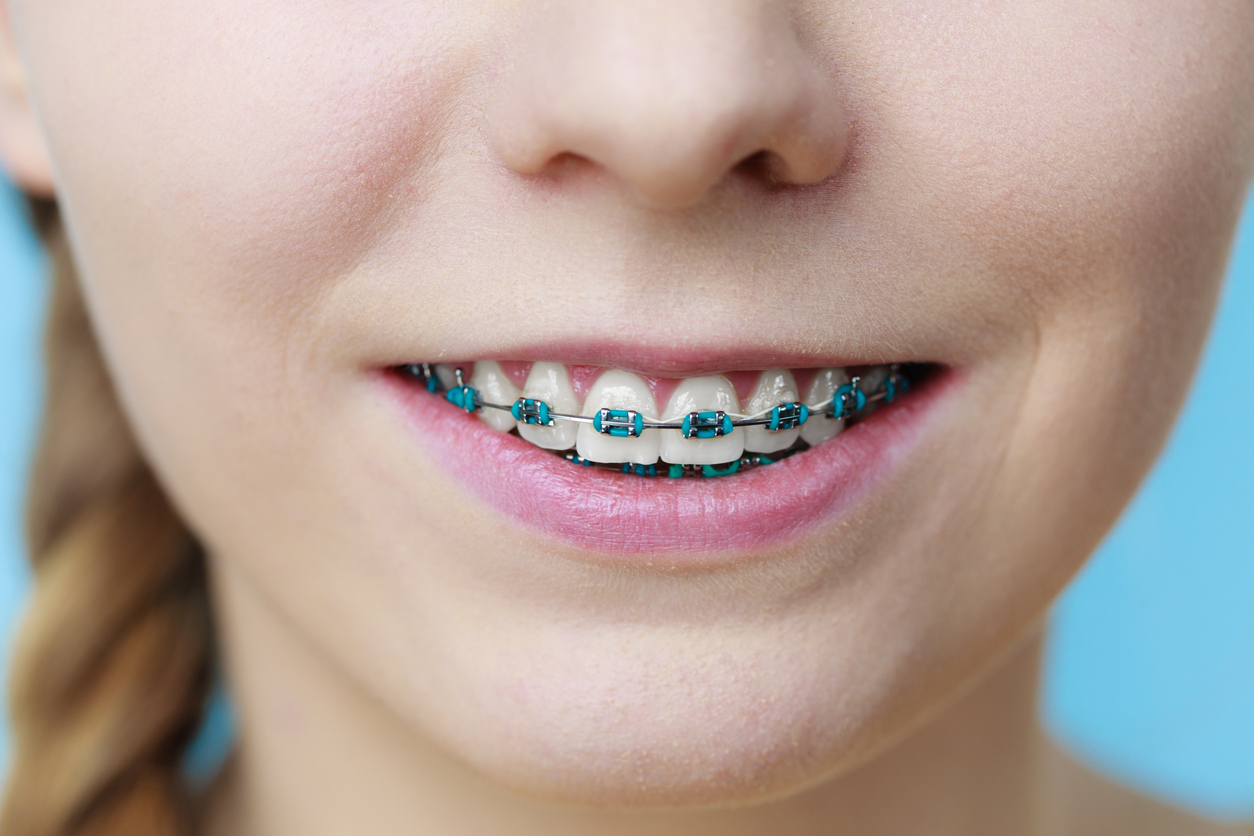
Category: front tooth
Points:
column 821, row 428
column 701, row 394
column 774, row 387
column 618, row 390
column 494, row 386
column 549, row 382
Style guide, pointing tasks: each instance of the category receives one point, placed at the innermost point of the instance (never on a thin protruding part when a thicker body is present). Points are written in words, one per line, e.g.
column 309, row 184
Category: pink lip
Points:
column 616, row 515
column 648, row 360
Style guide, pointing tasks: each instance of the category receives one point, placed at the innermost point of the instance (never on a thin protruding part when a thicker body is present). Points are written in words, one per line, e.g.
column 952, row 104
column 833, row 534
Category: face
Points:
column 275, row 205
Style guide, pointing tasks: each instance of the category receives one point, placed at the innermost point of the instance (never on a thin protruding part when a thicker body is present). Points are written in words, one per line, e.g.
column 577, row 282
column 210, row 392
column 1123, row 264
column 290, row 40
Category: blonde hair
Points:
column 111, row 667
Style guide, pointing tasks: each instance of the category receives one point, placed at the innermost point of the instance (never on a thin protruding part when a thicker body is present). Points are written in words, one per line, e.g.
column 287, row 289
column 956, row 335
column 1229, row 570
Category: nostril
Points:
column 567, row 163
column 766, row 169
column 558, row 168
column 760, row 165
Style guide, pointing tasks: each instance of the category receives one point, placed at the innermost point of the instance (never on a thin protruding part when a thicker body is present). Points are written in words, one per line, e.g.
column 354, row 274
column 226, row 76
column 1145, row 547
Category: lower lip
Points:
column 613, row 514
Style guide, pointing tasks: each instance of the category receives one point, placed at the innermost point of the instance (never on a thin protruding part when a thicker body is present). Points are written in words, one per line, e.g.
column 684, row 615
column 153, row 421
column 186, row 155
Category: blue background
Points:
column 1150, row 670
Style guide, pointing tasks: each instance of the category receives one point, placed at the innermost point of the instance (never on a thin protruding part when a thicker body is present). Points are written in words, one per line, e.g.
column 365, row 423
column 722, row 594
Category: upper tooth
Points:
column 494, row 386
column 774, row 387
column 871, row 381
column 549, row 382
column 820, row 428
column 618, row 390
column 448, row 379
column 701, row 394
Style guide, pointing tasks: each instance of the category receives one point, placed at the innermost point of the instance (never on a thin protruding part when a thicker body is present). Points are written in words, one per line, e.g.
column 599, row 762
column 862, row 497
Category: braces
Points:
column 848, row 400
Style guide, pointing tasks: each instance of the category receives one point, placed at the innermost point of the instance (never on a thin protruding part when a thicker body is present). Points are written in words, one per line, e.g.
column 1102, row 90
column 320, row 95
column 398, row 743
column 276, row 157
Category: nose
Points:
column 668, row 96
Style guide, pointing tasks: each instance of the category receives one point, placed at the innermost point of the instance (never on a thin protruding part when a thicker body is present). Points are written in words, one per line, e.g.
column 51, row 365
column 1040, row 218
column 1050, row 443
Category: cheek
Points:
column 227, row 160
column 1078, row 148
column 1084, row 163
column 223, row 166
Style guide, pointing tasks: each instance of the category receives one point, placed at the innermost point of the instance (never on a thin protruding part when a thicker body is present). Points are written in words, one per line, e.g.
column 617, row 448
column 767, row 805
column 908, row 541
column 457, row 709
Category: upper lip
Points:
column 663, row 361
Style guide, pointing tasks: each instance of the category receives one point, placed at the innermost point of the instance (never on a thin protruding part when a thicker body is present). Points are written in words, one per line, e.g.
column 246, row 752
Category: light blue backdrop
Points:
column 1150, row 674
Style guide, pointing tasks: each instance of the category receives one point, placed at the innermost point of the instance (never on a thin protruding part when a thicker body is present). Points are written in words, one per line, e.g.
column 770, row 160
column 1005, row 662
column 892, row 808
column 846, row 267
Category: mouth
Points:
column 562, row 448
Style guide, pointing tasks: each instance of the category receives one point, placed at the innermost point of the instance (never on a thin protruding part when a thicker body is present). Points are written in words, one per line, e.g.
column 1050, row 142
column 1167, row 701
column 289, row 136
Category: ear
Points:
column 22, row 150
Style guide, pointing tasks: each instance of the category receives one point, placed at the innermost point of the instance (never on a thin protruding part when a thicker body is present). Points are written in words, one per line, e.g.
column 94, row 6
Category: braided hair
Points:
column 111, row 667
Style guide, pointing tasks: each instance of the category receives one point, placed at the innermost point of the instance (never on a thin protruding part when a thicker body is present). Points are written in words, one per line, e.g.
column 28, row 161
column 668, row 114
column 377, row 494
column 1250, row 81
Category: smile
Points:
column 819, row 469
column 704, row 430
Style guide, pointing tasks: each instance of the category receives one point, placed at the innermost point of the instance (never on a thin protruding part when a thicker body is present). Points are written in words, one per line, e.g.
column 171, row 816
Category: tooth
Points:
column 618, row 390
column 445, row 373
column 549, row 382
column 701, row 394
column 873, row 379
column 820, row 428
column 494, row 386
column 774, row 387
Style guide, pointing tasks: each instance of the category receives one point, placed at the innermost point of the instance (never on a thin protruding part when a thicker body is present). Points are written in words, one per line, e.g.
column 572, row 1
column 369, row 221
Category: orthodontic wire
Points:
column 894, row 385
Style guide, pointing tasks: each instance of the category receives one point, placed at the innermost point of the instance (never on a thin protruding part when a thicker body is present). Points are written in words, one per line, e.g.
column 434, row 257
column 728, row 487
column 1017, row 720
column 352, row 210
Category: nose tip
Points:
column 667, row 96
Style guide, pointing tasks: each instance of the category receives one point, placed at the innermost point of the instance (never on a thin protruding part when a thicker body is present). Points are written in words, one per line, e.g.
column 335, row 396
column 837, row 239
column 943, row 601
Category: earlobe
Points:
column 22, row 150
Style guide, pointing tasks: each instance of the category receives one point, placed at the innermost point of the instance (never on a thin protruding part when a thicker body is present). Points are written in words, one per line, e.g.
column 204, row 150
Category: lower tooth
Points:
column 549, row 382
column 821, row 428
column 774, row 387
column 494, row 386
column 618, row 391
column 701, row 395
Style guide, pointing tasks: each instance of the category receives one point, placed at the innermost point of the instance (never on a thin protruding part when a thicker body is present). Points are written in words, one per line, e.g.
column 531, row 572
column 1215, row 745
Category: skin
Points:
column 271, row 200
